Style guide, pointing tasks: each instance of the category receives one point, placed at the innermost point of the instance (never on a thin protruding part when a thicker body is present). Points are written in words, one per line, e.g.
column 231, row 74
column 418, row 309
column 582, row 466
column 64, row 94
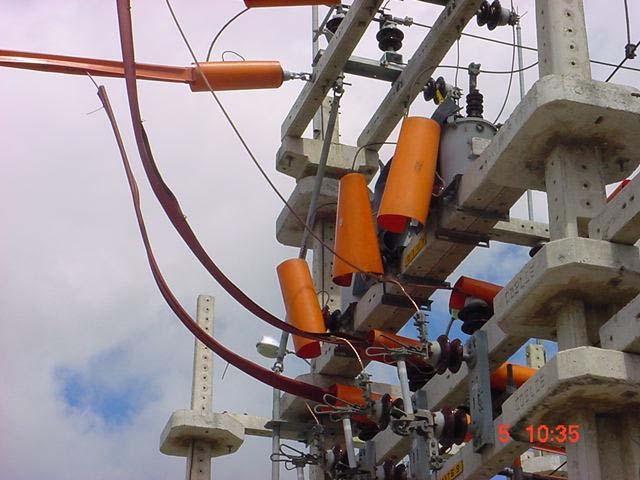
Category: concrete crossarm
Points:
column 619, row 221
column 421, row 66
column 622, row 331
column 520, row 232
column 330, row 66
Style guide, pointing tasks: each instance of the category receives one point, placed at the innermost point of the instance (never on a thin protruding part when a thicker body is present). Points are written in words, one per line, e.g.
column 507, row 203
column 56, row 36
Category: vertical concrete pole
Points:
column 562, row 38
column 575, row 191
column 322, row 264
column 199, row 457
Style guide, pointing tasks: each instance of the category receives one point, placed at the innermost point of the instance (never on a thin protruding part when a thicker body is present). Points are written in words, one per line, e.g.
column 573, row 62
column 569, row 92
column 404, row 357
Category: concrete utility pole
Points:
column 576, row 192
column 199, row 434
column 199, row 458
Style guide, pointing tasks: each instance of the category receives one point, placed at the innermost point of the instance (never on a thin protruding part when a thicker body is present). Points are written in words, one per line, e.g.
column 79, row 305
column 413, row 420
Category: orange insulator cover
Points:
column 521, row 374
column 288, row 3
column 301, row 304
column 379, row 338
column 407, row 194
column 246, row 75
column 356, row 239
column 348, row 393
column 471, row 287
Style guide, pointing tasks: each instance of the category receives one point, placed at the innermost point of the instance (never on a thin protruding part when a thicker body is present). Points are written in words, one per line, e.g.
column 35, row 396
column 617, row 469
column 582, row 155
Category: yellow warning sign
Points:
column 454, row 472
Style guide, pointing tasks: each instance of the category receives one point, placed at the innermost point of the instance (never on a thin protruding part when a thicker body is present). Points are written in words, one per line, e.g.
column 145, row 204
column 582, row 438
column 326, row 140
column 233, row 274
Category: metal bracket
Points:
column 467, row 238
column 424, row 282
column 480, row 391
column 485, row 214
column 419, row 455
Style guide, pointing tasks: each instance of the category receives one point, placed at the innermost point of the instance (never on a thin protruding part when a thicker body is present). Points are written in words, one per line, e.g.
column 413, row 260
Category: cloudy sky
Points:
column 93, row 362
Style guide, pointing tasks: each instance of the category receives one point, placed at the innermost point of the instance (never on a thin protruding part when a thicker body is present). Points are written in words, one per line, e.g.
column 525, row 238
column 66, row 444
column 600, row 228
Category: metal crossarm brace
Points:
column 330, row 66
column 409, row 84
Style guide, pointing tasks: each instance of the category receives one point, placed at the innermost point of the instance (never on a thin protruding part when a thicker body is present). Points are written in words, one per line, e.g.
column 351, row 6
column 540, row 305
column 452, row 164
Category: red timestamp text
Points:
column 544, row 433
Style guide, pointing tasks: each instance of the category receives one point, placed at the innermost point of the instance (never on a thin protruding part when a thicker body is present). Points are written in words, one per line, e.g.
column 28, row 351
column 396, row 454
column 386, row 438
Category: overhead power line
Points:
column 525, row 47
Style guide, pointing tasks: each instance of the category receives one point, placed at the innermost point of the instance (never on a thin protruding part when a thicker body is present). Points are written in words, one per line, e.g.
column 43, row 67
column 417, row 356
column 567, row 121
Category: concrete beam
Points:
column 520, row 232
column 622, row 331
column 559, row 109
column 330, row 66
column 600, row 380
column 299, row 157
column 288, row 229
column 619, row 220
column 596, row 272
column 421, row 66
column 221, row 431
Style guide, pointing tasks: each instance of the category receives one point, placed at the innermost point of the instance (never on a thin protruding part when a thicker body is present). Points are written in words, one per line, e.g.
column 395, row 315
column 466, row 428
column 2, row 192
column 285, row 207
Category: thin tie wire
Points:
column 224, row 27
column 513, row 62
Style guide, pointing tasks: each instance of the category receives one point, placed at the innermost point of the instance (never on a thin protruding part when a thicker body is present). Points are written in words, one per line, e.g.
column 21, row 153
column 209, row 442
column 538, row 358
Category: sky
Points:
column 92, row 360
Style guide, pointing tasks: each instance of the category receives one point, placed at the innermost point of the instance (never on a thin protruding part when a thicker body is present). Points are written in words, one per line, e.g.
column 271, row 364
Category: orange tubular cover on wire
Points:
column 288, row 3
column 356, row 239
column 246, row 75
column 407, row 194
column 500, row 377
column 379, row 338
column 301, row 304
column 471, row 287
